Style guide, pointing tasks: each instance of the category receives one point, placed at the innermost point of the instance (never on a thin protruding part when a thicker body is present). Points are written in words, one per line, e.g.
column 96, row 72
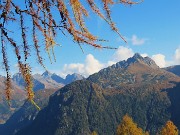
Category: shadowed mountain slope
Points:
column 174, row 69
column 137, row 87
column 18, row 96
column 27, row 113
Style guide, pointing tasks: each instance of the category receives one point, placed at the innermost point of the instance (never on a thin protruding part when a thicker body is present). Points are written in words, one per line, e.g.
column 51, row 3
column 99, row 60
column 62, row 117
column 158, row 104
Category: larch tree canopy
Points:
column 71, row 20
column 169, row 129
column 128, row 127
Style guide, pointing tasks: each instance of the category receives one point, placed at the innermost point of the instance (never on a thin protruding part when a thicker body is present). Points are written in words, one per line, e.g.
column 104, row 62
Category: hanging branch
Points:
column 7, row 69
column 72, row 16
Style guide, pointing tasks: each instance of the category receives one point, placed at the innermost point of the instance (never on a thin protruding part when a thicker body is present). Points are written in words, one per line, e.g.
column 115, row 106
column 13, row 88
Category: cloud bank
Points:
column 160, row 60
column 92, row 65
column 177, row 55
column 138, row 41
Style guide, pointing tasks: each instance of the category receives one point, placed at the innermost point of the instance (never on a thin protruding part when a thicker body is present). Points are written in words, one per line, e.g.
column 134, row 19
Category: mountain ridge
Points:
column 98, row 103
column 174, row 69
column 46, row 80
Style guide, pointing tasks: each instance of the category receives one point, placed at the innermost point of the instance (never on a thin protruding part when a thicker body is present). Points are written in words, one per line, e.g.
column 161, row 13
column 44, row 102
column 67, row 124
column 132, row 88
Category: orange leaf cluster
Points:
column 72, row 14
column 128, row 127
column 169, row 129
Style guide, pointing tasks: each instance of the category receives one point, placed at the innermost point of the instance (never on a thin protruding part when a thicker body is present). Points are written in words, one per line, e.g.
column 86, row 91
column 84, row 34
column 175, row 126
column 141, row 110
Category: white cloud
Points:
column 122, row 53
column 160, row 60
column 137, row 41
column 73, row 67
column 110, row 63
column 177, row 56
column 144, row 54
column 90, row 66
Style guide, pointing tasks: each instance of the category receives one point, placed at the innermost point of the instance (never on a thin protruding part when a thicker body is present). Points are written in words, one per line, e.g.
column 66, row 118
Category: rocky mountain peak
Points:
column 73, row 77
column 150, row 62
column 17, row 75
column 137, row 58
column 18, row 79
column 47, row 74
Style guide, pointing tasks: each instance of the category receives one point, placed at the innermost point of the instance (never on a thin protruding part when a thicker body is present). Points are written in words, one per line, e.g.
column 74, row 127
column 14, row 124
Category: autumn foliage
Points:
column 94, row 133
column 128, row 127
column 71, row 21
column 169, row 129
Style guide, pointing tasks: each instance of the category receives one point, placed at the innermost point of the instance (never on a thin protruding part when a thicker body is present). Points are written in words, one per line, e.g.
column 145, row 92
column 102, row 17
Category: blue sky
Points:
column 151, row 28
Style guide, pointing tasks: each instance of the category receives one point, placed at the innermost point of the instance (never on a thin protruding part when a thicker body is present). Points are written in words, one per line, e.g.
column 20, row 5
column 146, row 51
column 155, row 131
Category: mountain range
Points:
column 137, row 87
column 47, row 80
column 174, row 69
column 43, row 81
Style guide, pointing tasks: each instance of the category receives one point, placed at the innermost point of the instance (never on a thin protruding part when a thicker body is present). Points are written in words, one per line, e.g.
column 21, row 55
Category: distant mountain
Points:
column 174, row 69
column 69, row 78
column 58, row 79
column 18, row 79
column 73, row 77
column 137, row 87
column 26, row 114
column 18, row 97
column 46, row 74
column 47, row 80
